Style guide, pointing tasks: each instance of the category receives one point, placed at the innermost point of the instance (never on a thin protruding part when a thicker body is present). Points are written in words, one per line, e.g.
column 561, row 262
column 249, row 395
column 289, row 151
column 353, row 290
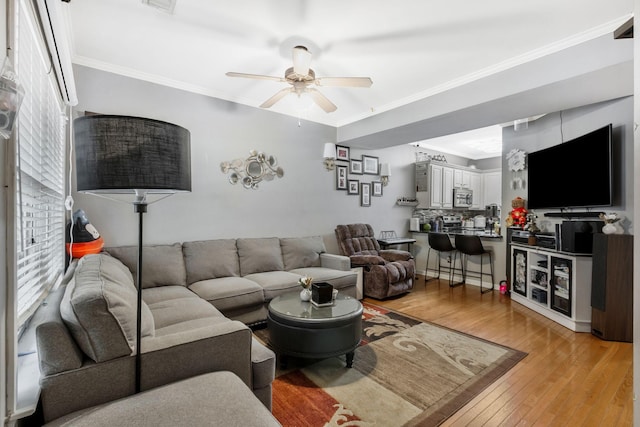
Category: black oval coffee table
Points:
column 300, row 329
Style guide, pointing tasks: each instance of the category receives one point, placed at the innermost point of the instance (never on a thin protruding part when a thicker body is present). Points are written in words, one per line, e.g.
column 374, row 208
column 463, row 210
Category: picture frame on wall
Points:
column 376, row 189
column 353, row 187
column 365, row 194
column 342, row 153
column 370, row 165
column 355, row 167
column 341, row 177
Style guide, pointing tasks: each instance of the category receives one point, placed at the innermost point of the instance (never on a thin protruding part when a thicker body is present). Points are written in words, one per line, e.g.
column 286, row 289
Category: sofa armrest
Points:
column 366, row 260
column 392, row 255
column 223, row 346
column 336, row 262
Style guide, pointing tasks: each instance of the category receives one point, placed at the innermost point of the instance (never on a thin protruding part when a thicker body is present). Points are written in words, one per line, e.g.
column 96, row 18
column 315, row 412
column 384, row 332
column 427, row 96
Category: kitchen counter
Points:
column 480, row 232
column 491, row 241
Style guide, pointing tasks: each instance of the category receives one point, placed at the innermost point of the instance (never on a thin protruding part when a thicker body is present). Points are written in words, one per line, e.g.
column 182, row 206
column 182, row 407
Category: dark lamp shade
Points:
column 121, row 154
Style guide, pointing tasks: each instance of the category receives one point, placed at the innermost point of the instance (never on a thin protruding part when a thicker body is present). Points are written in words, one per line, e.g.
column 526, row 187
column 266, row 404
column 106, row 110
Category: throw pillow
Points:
column 300, row 252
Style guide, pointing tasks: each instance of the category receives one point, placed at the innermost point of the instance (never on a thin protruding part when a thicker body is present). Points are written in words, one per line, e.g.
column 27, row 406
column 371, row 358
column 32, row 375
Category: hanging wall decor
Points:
column 516, row 163
column 253, row 170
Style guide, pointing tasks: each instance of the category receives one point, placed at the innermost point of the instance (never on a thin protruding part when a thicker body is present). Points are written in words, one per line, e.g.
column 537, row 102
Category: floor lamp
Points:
column 132, row 155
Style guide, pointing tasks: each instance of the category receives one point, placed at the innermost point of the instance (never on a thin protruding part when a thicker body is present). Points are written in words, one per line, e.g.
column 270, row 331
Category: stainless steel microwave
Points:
column 462, row 198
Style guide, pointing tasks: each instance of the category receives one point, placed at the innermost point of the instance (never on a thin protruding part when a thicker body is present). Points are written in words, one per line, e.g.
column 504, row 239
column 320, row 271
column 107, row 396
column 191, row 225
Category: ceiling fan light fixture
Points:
column 301, row 60
column 301, row 78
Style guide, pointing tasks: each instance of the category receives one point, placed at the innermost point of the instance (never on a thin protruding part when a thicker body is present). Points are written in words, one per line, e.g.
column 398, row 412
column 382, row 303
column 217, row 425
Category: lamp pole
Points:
column 140, row 207
column 124, row 155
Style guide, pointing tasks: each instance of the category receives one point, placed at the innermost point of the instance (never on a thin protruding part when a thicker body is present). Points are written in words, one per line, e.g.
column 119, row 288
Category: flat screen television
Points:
column 575, row 174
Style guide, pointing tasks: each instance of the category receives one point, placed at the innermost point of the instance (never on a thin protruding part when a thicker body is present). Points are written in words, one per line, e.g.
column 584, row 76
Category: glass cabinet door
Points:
column 561, row 285
column 520, row 272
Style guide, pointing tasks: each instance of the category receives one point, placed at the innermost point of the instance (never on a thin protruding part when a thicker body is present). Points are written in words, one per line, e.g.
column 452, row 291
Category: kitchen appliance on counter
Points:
column 480, row 221
column 450, row 222
column 462, row 198
column 492, row 211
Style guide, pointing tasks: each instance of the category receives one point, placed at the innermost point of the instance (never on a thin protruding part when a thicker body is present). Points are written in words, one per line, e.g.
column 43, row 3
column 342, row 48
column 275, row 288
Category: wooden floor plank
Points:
column 567, row 378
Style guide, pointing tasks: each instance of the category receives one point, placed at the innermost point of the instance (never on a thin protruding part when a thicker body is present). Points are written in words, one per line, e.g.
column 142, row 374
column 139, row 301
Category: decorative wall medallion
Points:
column 252, row 170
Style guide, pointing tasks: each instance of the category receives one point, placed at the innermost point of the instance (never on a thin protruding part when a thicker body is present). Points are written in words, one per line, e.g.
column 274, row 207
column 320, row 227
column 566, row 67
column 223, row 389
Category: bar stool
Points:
column 440, row 243
column 471, row 246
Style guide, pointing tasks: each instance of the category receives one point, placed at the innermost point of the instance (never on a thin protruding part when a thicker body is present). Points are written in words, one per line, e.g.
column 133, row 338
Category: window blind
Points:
column 40, row 162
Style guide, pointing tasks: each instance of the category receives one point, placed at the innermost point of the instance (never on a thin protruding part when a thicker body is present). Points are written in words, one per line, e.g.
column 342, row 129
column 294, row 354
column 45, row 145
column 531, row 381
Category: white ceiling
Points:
column 474, row 144
column 411, row 49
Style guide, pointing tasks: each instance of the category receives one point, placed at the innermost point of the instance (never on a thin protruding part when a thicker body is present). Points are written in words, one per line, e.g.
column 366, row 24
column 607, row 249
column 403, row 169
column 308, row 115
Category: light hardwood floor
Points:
column 567, row 378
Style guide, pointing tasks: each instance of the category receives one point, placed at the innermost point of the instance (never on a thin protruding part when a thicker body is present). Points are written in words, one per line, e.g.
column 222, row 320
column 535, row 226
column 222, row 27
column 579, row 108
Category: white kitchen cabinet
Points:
column 435, row 186
column 440, row 186
column 492, row 187
column 461, row 179
column 435, row 182
column 447, row 187
column 475, row 184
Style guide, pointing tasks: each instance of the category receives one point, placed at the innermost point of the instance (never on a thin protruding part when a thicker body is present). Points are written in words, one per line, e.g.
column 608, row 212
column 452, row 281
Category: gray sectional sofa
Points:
column 198, row 298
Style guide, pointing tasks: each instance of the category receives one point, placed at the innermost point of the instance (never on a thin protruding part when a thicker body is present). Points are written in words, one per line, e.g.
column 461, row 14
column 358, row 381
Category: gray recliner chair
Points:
column 386, row 272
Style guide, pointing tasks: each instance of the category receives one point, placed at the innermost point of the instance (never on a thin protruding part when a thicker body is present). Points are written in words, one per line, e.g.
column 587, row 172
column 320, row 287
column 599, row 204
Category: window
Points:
column 40, row 150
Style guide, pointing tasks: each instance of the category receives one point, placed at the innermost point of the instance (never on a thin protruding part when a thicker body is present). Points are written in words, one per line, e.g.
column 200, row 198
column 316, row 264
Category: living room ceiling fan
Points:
column 302, row 79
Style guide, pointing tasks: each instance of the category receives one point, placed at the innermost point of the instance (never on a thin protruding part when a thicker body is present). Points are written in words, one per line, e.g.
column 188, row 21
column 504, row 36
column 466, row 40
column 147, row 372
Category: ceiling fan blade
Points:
column 344, row 81
column 301, row 60
column 255, row 76
column 322, row 101
column 277, row 97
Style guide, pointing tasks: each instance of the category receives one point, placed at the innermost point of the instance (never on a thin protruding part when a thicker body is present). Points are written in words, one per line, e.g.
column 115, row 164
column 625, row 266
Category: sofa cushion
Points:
column 229, row 293
column 99, row 308
column 259, row 255
column 175, row 309
column 276, row 283
column 300, row 252
column 162, row 265
column 210, row 259
column 187, row 402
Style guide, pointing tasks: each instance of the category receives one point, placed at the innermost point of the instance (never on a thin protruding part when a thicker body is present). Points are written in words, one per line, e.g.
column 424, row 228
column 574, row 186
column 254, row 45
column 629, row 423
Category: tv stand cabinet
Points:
column 553, row 283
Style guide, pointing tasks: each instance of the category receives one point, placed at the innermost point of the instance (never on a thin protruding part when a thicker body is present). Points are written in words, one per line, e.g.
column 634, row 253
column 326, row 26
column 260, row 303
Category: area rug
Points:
column 406, row 372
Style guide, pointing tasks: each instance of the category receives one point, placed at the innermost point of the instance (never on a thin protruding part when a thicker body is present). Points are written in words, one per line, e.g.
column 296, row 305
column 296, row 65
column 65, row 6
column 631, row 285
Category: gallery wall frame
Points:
column 376, row 188
column 341, row 177
column 365, row 194
column 353, row 187
column 355, row 167
column 342, row 153
column 370, row 165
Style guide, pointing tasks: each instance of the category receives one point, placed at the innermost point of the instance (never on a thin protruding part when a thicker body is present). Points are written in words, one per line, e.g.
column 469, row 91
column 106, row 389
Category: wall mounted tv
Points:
column 575, row 174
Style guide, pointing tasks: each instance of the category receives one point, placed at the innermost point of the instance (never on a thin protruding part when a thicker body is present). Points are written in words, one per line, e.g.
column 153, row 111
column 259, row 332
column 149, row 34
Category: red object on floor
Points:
column 80, row 249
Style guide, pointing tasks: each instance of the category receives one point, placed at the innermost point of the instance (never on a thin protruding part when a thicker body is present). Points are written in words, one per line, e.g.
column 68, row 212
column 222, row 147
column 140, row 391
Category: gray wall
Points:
column 545, row 132
column 304, row 202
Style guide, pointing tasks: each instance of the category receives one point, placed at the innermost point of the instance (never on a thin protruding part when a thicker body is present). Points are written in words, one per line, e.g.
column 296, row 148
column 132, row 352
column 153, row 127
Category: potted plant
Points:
column 305, row 293
column 609, row 223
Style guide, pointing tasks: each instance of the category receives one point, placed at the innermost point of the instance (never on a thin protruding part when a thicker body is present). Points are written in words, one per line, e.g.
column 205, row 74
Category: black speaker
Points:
column 577, row 236
column 612, row 287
